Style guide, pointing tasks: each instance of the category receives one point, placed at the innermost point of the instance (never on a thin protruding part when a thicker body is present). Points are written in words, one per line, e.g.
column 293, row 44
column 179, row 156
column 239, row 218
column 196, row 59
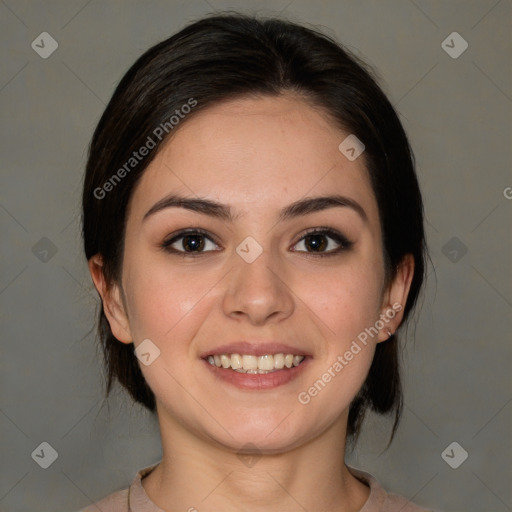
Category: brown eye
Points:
column 190, row 242
column 316, row 242
column 323, row 242
column 193, row 243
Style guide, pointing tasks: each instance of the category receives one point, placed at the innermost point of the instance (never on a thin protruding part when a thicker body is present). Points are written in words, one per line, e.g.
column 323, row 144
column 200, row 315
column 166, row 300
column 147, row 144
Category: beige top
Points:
column 135, row 499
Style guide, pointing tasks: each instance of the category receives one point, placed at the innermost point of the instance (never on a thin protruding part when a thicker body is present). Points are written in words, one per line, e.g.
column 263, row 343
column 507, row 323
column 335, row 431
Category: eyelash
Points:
column 344, row 243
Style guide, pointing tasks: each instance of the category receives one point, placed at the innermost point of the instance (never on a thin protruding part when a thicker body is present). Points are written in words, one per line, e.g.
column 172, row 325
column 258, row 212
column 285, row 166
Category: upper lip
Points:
column 255, row 348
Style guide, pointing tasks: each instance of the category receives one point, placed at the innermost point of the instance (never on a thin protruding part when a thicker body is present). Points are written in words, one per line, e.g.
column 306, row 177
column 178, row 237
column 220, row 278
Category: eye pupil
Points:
column 316, row 242
column 195, row 242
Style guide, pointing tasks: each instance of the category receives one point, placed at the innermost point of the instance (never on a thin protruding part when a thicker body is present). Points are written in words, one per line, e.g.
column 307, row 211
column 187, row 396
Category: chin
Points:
column 266, row 434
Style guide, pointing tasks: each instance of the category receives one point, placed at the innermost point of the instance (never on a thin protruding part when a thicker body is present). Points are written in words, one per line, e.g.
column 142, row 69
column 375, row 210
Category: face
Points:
column 255, row 265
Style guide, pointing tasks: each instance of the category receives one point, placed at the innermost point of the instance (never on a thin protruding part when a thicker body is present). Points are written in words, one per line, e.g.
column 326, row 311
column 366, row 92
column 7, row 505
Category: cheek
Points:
column 160, row 299
column 347, row 303
column 346, row 300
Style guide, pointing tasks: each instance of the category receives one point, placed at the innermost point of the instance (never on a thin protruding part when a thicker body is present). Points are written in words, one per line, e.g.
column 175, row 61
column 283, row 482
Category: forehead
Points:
column 255, row 154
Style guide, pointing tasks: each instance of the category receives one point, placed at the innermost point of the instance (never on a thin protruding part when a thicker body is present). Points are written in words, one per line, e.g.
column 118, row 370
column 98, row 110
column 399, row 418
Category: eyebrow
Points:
column 221, row 211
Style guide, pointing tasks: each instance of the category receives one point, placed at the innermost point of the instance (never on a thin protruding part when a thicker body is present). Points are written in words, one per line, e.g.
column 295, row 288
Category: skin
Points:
column 257, row 156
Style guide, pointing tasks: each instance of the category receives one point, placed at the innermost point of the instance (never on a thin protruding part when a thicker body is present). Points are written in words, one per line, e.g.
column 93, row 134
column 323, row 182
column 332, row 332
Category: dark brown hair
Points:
column 226, row 56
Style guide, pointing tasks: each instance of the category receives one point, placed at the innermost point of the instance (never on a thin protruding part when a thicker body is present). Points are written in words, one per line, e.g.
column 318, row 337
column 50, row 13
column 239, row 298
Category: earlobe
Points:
column 112, row 303
column 395, row 298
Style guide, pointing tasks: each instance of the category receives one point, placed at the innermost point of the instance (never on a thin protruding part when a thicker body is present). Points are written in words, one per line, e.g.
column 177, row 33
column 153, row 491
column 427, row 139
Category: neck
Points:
column 199, row 474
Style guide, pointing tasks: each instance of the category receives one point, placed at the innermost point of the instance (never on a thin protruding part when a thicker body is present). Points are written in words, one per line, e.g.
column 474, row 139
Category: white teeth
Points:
column 250, row 362
column 266, row 362
column 236, row 361
column 279, row 361
column 297, row 360
column 247, row 363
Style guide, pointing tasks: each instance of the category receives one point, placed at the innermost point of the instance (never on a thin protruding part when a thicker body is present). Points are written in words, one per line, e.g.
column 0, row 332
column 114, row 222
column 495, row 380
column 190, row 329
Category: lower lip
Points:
column 258, row 381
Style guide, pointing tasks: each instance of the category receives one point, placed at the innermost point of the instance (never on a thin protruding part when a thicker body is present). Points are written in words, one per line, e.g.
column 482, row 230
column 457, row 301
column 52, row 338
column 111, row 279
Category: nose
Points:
column 258, row 291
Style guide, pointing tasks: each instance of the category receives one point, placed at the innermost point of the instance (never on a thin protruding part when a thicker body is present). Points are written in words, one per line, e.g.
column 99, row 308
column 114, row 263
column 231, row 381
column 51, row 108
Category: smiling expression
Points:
column 251, row 233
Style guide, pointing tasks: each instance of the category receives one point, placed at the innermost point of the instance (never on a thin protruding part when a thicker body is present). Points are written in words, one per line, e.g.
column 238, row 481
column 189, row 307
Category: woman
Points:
column 254, row 227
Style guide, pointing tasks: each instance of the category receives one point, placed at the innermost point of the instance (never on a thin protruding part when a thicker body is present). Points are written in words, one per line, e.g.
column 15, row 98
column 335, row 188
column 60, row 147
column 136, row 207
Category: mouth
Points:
column 256, row 365
column 252, row 364
column 250, row 372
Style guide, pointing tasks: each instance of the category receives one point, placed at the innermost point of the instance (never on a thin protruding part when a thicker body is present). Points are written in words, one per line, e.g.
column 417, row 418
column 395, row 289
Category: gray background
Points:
column 458, row 115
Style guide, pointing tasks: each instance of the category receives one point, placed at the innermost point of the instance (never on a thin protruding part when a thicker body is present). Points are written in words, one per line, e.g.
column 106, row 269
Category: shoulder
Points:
column 394, row 502
column 382, row 501
column 126, row 500
column 115, row 502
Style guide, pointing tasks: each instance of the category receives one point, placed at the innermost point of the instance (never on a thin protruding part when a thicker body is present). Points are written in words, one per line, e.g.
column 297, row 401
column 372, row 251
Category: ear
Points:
column 395, row 297
column 113, row 305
